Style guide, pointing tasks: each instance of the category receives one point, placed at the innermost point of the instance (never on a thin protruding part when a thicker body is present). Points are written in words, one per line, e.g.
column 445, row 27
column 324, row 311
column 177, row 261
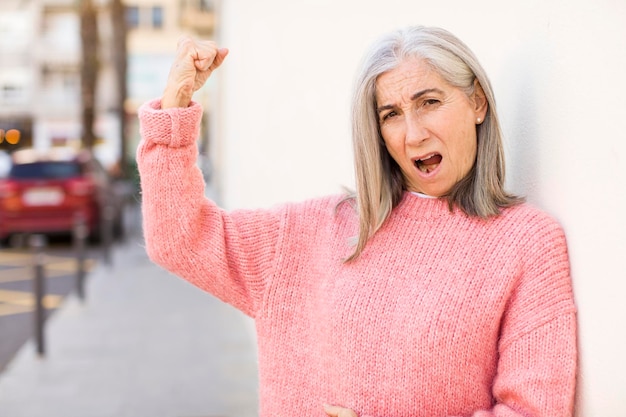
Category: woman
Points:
column 429, row 292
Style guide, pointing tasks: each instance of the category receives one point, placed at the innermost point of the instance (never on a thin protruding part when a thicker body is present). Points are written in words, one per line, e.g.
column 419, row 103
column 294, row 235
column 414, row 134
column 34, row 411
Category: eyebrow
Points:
column 413, row 98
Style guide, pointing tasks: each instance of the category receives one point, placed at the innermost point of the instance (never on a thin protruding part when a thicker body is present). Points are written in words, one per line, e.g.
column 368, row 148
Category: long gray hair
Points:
column 379, row 180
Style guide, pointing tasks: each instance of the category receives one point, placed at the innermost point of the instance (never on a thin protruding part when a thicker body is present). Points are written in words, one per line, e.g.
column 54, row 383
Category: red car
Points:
column 44, row 193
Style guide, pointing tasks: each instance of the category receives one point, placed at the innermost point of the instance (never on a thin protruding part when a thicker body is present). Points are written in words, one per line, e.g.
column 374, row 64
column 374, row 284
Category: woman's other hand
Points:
column 336, row 411
column 195, row 61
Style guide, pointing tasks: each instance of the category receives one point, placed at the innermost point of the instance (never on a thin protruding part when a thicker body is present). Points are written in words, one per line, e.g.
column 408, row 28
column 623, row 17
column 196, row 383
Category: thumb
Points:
column 211, row 63
column 219, row 58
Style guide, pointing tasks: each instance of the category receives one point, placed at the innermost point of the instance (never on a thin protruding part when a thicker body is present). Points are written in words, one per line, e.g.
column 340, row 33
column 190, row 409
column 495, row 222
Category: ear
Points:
column 480, row 101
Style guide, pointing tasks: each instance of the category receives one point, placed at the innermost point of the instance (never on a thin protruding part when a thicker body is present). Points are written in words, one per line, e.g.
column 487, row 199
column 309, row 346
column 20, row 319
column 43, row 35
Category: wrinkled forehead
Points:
column 404, row 80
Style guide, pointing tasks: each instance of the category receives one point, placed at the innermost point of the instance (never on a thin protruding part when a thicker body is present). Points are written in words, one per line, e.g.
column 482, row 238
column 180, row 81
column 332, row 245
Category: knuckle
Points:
column 185, row 42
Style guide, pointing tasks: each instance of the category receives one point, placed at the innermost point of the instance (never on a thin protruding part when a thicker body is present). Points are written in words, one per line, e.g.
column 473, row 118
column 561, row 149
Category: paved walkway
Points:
column 143, row 344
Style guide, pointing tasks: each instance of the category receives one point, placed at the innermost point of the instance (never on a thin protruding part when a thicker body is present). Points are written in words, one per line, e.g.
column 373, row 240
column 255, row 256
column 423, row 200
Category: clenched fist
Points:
column 195, row 61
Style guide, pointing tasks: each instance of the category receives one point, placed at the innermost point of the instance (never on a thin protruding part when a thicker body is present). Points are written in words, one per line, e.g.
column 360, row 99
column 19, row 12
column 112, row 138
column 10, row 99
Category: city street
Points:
column 17, row 303
column 142, row 343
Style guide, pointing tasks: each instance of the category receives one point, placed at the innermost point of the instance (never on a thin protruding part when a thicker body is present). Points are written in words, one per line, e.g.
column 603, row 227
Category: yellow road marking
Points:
column 69, row 265
column 10, row 309
column 54, row 266
column 10, row 258
column 51, row 270
column 19, row 266
column 15, row 302
column 28, row 300
column 27, row 274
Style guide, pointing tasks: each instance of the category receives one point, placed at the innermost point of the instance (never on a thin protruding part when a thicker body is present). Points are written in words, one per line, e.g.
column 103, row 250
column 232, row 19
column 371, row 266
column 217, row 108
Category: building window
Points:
column 142, row 17
column 13, row 94
column 157, row 17
column 132, row 17
column 199, row 5
column 206, row 5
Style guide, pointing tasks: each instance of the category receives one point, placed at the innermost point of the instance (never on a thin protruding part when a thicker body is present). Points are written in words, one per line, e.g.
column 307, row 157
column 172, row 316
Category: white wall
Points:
column 281, row 126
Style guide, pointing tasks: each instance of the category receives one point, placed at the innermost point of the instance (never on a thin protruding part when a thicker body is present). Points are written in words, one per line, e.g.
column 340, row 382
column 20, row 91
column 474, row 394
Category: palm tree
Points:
column 120, row 61
column 89, row 68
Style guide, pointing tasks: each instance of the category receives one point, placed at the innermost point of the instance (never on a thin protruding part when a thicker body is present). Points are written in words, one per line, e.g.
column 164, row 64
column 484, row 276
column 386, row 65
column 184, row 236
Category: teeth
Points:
column 427, row 157
column 427, row 163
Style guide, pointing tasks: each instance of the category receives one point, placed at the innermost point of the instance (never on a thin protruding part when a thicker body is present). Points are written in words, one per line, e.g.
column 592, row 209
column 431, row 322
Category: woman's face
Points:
column 428, row 126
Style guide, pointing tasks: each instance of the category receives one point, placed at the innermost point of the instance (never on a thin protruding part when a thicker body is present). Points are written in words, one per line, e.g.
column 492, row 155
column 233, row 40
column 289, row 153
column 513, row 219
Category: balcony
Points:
column 50, row 54
column 16, row 89
column 58, row 103
column 199, row 21
column 59, row 40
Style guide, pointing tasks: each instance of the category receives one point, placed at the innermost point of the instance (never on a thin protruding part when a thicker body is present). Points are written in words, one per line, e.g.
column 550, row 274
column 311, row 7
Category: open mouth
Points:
column 428, row 163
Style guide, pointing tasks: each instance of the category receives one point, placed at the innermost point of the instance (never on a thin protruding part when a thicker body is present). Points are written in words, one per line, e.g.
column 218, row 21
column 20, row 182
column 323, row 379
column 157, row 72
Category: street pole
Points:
column 80, row 236
column 106, row 231
column 37, row 243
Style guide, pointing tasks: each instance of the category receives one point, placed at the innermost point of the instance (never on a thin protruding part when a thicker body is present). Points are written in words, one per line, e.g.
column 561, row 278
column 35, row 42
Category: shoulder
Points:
column 304, row 210
column 323, row 206
column 531, row 228
column 528, row 218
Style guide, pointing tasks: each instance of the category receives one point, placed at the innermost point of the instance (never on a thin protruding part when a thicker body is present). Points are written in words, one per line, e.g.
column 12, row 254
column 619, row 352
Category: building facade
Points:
column 40, row 69
column 154, row 27
column 17, row 74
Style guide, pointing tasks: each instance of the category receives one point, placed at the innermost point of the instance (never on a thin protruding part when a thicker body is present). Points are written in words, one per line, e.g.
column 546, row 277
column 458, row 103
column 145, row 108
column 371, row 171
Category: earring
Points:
column 478, row 120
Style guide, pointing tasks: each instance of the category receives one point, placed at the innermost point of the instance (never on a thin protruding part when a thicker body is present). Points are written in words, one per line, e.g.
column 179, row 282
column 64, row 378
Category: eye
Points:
column 387, row 116
column 430, row 102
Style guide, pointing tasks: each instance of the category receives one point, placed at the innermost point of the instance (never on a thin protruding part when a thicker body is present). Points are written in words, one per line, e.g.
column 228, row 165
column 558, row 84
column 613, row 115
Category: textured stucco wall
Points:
column 281, row 131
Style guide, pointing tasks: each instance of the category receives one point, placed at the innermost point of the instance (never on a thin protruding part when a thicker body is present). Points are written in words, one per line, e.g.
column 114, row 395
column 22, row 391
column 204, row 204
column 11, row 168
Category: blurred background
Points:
column 276, row 122
column 73, row 72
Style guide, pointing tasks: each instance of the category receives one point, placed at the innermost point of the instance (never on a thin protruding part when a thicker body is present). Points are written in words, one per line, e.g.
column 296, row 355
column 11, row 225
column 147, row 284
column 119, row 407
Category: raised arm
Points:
column 227, row 254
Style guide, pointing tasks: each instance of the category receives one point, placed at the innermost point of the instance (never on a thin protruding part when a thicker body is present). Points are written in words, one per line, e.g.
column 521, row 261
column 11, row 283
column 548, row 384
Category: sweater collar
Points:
column 419, row 206
column 421, row 194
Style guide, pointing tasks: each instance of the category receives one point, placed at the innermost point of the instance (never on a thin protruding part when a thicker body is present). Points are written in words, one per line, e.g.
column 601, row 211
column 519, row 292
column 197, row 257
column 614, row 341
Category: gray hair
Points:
column 379, row 180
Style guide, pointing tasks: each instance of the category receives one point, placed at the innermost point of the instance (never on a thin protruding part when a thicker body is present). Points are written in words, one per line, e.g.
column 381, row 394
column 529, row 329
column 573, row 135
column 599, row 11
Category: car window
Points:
column 49, row 170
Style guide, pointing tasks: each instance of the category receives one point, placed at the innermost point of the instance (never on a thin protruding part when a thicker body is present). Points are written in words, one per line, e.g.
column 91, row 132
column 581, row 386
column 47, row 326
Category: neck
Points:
column 422, row 195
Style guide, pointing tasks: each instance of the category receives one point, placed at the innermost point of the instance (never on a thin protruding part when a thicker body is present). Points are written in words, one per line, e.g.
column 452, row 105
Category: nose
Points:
column 416, row 131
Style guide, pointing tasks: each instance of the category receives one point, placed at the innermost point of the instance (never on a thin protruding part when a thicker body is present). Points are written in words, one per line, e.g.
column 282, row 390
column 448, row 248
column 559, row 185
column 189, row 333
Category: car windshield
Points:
column 47, row 170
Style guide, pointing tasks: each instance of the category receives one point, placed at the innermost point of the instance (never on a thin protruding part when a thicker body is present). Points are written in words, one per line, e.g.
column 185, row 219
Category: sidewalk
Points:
column 143, row 344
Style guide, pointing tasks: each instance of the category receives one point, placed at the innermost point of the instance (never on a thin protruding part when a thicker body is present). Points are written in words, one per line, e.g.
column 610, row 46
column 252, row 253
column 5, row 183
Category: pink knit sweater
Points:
column 442, row 314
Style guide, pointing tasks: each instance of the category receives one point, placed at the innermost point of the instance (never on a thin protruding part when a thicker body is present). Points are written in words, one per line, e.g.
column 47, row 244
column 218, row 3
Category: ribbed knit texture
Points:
column 442, row 315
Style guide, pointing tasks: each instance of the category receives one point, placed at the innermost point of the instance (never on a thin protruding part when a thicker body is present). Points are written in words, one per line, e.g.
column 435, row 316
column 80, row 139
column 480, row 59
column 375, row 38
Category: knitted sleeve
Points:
column 228, row 255
column 538, row 350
